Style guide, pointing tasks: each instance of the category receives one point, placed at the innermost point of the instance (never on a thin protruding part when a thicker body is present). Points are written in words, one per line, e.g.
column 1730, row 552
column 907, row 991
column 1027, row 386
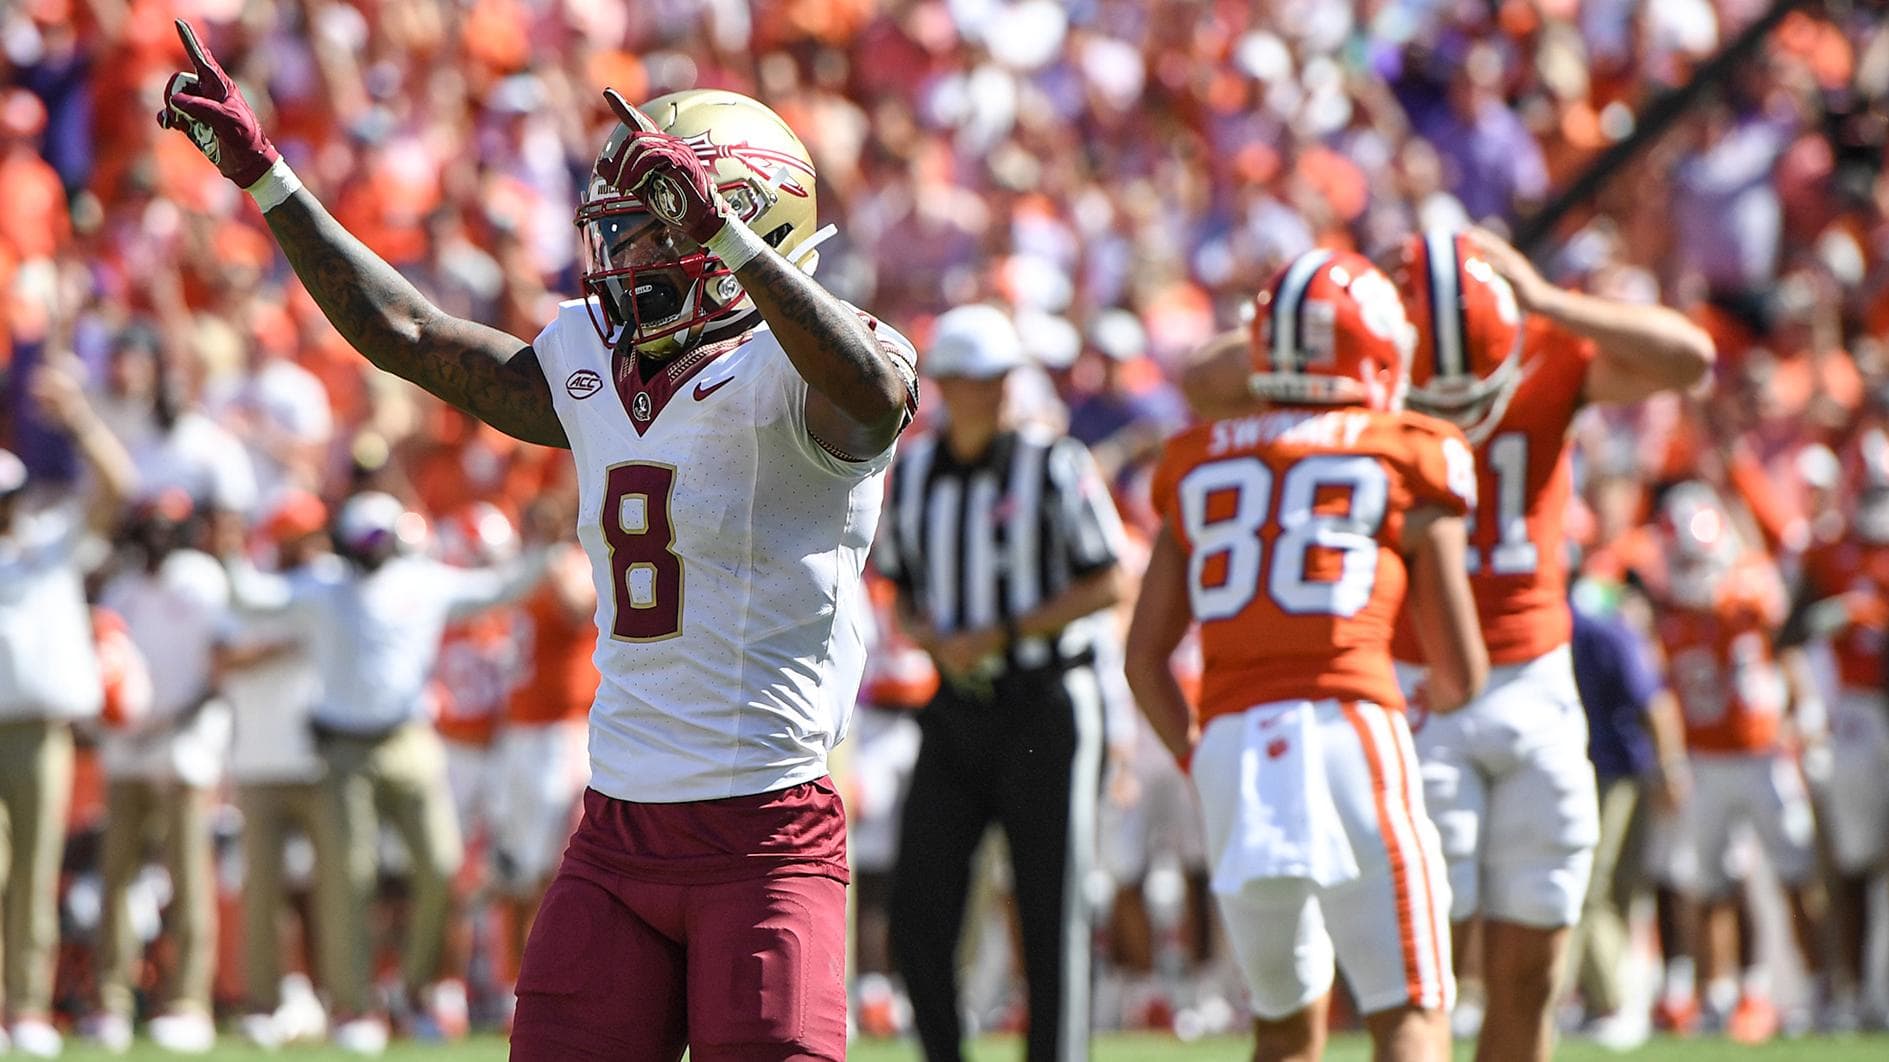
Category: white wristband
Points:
column 735, row 244
column 272, row 189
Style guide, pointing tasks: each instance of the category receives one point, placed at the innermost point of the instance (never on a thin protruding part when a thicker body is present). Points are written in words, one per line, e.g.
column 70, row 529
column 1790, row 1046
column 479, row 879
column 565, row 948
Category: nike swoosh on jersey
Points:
column 704, row 390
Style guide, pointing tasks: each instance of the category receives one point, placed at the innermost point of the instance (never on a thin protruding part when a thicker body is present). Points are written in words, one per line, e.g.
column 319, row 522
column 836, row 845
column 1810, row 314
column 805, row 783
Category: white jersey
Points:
column 726, row 546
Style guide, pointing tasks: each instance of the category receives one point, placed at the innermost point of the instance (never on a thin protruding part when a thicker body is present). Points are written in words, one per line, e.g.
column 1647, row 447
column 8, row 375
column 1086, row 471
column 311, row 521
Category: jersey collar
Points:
column 645, row 387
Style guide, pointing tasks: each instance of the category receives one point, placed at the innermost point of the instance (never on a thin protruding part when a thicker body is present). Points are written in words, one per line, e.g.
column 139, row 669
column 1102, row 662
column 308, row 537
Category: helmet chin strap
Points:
column 807, row 255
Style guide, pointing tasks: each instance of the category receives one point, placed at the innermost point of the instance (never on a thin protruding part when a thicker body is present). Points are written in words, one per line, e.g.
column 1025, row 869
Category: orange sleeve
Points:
column 1562, row 358
column 1440, row 467
column 1561, row 348
column 1766, row 503
column 1757, row 591
column 1164, row 488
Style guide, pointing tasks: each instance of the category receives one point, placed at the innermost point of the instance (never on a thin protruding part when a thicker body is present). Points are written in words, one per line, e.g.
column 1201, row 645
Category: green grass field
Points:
column 1118, row 1048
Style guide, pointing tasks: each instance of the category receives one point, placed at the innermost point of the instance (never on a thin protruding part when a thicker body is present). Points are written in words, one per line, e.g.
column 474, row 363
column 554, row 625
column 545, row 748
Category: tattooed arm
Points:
column 857, row 392
column 481, row 370
column 487, row 373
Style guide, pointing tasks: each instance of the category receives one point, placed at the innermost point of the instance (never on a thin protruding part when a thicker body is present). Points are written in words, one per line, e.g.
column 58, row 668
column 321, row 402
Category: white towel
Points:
column 1285, row 824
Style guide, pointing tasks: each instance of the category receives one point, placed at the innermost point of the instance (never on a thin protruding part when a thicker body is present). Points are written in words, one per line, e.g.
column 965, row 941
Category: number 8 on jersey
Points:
column 645, row 572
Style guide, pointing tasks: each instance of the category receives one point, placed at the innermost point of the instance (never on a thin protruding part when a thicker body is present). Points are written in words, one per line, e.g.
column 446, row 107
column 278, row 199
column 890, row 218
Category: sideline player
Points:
column 1290, row 534
column 479, row 661
column 1843, row 598
column 1714, row 617
column 731, row 423
column 540, row 762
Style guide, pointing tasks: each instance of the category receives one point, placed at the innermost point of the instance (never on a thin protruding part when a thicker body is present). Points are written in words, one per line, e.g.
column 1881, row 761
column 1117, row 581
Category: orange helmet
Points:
column 1469, row 332
column 1329, row 329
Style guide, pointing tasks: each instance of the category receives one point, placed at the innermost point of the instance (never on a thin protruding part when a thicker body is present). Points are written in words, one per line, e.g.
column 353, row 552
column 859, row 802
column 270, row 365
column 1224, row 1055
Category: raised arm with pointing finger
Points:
column 731, row 423
column 482, row 370
column 858, row 394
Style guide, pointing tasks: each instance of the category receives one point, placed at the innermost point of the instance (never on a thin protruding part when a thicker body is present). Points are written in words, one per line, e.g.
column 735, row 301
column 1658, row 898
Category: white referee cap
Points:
column 974, row 342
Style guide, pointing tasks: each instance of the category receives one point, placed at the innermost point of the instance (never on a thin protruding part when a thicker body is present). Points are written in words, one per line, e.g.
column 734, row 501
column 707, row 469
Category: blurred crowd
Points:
column 1118, row 174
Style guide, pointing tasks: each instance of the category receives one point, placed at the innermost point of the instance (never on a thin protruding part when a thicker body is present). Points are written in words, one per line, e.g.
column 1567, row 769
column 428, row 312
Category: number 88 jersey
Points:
column 1292, row 521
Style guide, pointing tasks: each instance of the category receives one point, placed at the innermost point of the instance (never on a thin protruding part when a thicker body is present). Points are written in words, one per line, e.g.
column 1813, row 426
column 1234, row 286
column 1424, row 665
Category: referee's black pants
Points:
column 1028, row 756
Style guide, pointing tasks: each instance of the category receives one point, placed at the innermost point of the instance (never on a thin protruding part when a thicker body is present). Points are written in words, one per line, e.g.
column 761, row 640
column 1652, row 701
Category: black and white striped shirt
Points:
column 973, row 545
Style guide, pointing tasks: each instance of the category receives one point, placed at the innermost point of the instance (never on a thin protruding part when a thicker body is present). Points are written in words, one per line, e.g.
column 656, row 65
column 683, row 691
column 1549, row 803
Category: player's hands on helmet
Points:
column 1531, row 288
column 1184, row 747
column 665, row 173
column 1420, row 705
column 206, row 106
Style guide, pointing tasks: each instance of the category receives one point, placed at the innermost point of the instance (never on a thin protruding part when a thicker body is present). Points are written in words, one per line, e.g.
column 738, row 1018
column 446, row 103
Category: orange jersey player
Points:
column 1511, row 359
column 1290, row 534
column 539, row 762
column 1843, row 595
column 540, row 756
column 1843, row 600
column 478, row 663
column 1714, row 619
column 899, row 681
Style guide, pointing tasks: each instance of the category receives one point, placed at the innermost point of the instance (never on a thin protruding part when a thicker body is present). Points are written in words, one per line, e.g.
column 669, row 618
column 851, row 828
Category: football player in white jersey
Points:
column 731, row 422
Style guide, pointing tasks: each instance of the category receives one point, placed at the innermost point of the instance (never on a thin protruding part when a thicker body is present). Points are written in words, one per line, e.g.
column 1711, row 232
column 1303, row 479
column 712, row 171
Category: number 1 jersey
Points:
column 1292, row 522
column 1517, row 535
column 727, row 548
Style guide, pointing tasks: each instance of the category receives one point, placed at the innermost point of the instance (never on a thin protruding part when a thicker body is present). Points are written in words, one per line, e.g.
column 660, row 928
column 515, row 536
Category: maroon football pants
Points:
column 737, row 953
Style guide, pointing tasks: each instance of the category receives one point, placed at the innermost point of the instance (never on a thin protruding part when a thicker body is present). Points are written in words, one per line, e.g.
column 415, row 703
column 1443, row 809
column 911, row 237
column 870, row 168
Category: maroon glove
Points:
column 207, row 106
column 665, row 173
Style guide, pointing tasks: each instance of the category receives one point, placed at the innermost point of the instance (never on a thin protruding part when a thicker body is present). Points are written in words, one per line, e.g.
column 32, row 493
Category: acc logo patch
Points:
column 583, row 383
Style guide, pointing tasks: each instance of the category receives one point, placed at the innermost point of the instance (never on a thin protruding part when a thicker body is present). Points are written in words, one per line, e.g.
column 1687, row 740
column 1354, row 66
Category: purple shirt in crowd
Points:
column 1490, row 162
column 1616, row 685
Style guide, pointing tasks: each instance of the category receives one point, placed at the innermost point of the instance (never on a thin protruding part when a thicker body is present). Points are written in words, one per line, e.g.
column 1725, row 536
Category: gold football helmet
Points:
column 658, row 290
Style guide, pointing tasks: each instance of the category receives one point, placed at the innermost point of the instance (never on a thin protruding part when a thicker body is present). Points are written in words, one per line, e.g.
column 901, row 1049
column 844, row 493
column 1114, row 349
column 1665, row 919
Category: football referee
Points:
column 1003, row 543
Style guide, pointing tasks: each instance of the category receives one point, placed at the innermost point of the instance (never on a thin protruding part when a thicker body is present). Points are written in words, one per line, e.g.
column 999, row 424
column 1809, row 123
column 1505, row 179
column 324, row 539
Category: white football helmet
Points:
column 1702, row 546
